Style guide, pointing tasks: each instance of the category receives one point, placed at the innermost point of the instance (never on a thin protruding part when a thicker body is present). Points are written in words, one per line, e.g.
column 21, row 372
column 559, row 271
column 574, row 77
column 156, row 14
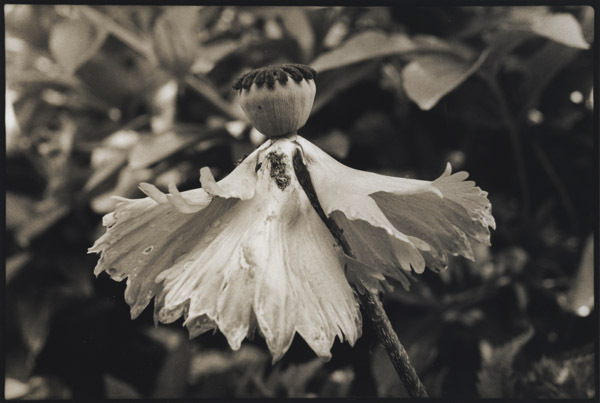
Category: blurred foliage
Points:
column 99, row 98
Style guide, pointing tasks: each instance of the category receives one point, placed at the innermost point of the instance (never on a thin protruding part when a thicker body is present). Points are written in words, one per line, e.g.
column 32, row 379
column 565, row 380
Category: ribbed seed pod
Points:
column 277, row 99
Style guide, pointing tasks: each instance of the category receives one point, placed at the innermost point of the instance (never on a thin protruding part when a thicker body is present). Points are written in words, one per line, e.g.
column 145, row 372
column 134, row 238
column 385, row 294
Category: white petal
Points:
column 240, row 183
column 345, row 189
column 178, row 201
column 423, row 221
column 272, row 258
column 248, row 259
column 378, row 252
column 146, row 236
column 311, row 290
column 152, row 192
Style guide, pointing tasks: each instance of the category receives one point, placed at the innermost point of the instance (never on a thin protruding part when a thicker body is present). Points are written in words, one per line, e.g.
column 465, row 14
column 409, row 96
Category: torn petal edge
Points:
column 152, row 192
column 179, row 202
column 235, row 187
column 240, row 183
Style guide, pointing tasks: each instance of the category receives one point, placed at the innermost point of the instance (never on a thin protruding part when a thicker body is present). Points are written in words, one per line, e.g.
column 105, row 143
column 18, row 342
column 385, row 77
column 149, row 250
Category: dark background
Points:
column 101, row 98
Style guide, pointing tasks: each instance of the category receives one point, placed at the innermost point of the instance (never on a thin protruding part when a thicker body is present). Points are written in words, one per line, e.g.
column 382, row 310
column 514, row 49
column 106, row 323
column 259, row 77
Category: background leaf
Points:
column 296, row 22
column 14, row 389
column 176, row 37
column 154, row 148
column 428, row 78
column 496, row 377
column 364, row 46
column 560, row 27
column 74, row 42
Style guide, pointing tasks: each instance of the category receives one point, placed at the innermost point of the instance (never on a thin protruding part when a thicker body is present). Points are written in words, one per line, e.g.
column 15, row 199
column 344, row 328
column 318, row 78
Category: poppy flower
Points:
column 250, row 252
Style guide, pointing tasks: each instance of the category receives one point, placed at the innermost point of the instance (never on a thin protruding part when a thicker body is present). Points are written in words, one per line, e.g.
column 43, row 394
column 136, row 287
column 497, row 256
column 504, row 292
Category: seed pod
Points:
column 277, row 99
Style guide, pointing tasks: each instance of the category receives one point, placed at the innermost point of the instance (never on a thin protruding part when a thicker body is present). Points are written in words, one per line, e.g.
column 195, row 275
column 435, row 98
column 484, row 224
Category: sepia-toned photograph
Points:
column 216, row 201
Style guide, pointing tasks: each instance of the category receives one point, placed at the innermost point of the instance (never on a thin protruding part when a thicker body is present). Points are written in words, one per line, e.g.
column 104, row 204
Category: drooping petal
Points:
column 396, row 222
column 146, row 236
column 316, row 298
column 451, row 225
column 143, row 239
column 259, row 258
column 315, row 286
column 376, row 254
column 346, row 189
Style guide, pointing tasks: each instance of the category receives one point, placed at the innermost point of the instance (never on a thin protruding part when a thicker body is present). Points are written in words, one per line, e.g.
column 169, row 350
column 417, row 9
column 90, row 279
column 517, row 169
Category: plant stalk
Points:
column 370, row 302
column 391, row 343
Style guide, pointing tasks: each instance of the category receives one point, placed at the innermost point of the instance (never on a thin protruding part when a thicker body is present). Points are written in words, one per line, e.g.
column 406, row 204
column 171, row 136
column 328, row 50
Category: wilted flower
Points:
column 251, row 252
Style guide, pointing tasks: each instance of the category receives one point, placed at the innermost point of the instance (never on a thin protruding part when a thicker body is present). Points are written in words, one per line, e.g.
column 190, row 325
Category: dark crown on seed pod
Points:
column 277, row 99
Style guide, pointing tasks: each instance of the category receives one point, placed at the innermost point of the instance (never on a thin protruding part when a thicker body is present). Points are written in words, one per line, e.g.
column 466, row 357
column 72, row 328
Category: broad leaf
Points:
column 155, row 148
column 562, row 28
column 175, row 38
column 428, row 78
column 74, row 42
column 14, row 389
column 298, row 25
column 361, row 47
column 210, row 54
column 559, row 27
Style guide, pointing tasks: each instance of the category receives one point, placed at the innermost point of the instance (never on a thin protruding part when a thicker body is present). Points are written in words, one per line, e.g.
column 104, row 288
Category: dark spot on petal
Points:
column 279, row 170
column 282, row 182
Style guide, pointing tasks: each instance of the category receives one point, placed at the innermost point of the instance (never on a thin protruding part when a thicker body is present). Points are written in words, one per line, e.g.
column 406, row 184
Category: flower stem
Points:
column 369, row 301
column 392, row 345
